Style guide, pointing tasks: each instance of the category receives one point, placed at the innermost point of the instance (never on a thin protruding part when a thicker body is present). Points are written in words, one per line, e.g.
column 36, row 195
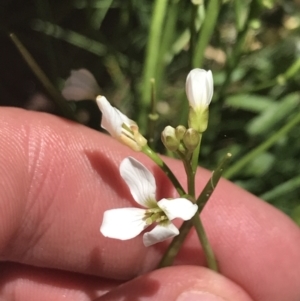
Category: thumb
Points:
column 179, row 283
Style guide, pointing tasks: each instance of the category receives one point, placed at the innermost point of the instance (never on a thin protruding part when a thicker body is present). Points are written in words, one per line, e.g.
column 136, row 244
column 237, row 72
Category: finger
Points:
column 184, row 283
column 59, row 177
column 26, row 283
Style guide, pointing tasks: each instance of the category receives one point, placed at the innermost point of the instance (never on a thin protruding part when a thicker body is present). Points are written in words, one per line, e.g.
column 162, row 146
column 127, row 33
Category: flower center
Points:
column 127, row 131
column 154, row 215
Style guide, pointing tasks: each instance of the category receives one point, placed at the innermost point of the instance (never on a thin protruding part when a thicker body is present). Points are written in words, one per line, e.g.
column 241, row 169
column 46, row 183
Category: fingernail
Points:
column 198, row 296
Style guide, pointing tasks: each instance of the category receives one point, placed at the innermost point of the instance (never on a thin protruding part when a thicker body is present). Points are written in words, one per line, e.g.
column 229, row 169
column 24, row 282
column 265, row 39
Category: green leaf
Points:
column 273, row 115
column 252, row 103
column 296, row 215
column 260, row 165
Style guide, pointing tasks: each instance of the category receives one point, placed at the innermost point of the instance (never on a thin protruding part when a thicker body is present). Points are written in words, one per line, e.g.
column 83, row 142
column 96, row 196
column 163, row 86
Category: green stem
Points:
column 206, row 32
column 207, row 249
column 153, row 116
column 189, row 174
column 235, row 168
column 195, row 156
column 280, row 79
column 212, row 264
column 193, row 32
column 234, row 58
column 164, row 167
column 168, row 35
column 159, row 10
column 176, row 243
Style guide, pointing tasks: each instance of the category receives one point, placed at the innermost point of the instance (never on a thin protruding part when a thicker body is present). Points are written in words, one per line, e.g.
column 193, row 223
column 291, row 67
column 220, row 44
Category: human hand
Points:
column 56, row 180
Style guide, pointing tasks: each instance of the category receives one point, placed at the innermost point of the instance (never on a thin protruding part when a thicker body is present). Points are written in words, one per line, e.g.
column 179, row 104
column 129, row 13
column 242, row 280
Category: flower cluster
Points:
column 127, row 223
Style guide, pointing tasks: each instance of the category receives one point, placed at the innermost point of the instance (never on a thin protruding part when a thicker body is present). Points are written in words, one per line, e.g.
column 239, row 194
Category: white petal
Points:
column 199, row 87
column 80, row 85
column 169, row 131
column 123, row 223
column 140, row 182
column 210, row 86
column 159, row 233
column 178, row 208
column 112, row 118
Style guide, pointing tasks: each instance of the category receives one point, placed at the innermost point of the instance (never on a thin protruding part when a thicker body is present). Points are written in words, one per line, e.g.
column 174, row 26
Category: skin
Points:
column 56, row 180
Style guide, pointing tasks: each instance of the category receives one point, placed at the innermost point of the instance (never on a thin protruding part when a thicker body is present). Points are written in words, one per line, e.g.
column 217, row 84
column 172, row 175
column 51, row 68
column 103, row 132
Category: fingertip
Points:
column 181, row 283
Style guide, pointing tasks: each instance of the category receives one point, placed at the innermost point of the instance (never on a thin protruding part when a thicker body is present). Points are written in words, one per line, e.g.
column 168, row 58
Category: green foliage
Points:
column 252, row 48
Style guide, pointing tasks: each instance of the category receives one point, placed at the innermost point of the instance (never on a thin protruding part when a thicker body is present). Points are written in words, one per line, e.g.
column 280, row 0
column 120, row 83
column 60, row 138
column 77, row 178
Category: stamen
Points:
column 154, row 215
column 149, row 221
column 161, row 219
column 154, row 210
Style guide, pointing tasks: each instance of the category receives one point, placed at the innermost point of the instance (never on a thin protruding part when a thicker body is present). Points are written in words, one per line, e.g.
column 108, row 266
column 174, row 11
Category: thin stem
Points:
column 207, row 249
column 234, row 58
column 189, row 174
column 159, row 10
column 56, row 96
column 209, row 255
column 280, row 79
column 193, row 32
column 167, row 38
column 164, row 167
column 206, row 32
column 176, row 243
column 235, row 168
column 195, row 156
column 153, row 116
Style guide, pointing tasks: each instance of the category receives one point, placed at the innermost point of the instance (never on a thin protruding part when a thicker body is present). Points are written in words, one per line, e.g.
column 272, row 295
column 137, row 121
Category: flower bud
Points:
column 179, row 132
column 80, row 85
column 199, row 90
column 169, row 139
column 191, row 139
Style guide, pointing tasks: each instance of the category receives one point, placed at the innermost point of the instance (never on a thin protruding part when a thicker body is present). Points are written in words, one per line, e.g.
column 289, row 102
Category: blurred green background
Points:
column 252, row 48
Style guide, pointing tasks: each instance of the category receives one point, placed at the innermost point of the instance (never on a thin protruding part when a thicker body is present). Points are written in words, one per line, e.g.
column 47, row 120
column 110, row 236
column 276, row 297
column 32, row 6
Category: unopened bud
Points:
column 80, row 85
column 169, row 138
column 191, row 139
column 180, row 131
column 199, row 90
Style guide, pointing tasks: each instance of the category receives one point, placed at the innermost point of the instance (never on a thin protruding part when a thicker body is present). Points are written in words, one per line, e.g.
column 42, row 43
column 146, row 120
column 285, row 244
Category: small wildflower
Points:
column 119, row 125
column 127, row 223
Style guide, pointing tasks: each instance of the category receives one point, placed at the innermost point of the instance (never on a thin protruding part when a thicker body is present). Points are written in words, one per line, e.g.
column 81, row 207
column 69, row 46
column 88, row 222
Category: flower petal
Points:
column 199, row 87
column 123, row 223
column 80, row 85
column 178, row 208
column 140, row 182
column 112, row 118
column 159, row 233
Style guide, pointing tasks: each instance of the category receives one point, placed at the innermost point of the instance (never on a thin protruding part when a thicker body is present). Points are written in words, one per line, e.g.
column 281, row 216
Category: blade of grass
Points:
column 56, row 96
column 152, row 51
column 235, row 168
column 206, row 32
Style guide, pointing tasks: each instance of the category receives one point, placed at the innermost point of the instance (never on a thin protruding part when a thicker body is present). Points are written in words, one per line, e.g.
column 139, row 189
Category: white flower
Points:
column 80, row 85
column 127, row 223
column 199, row 88
column 119, row 125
